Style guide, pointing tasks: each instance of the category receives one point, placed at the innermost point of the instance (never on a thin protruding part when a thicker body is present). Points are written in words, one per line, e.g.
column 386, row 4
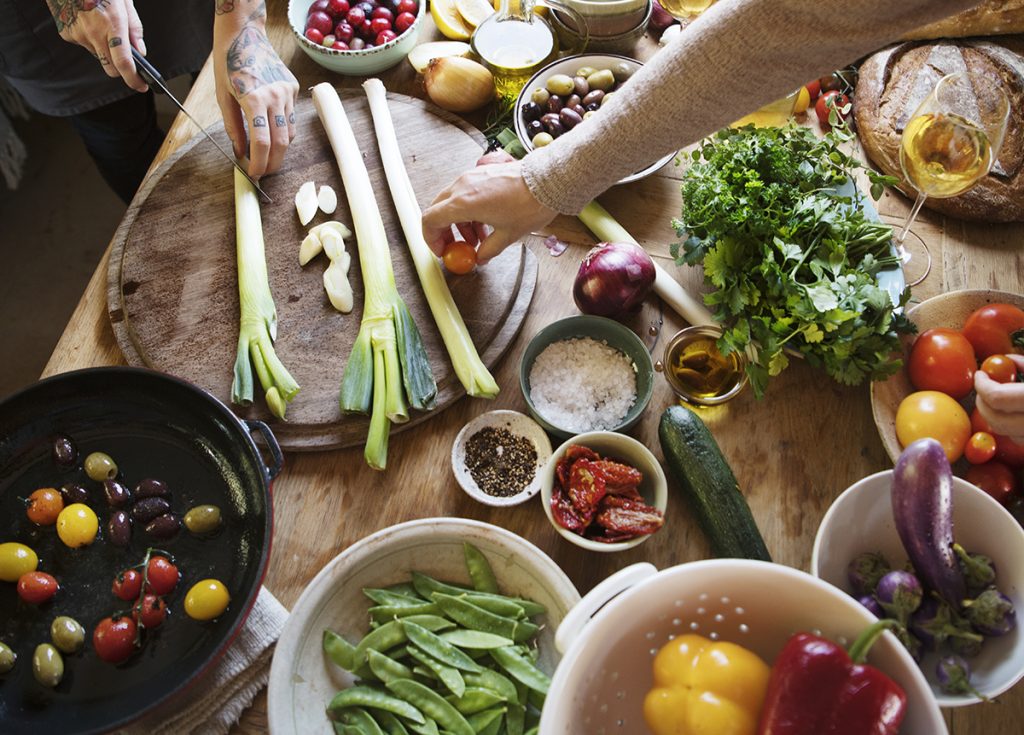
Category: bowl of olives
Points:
column 565, row 94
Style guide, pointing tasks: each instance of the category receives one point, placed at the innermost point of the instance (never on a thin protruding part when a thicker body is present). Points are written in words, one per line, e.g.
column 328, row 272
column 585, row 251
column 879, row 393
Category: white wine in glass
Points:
column 684, row 9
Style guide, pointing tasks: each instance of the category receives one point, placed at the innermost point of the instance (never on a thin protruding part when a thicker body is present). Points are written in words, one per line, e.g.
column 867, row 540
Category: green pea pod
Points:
column 402, row 588
column 497, row 605
column 424, row 673
column 494, row 728
column 482, row 721
column 537, row 699
column 475, row 639
column 515, row 719
column 447, row 675
column 393, row 599
column 496, row 682
column 521, row 669
column 479, row 570
column 380, row 639
column 362, row 721
column 340, row 728
column 339, row 650
column 364, row 696
column 386, row 668
column 433, row 623
column 440, row 649
column 474, row 700
column 427, row 728
column 533, row 730
column 385, row 613
column 433, row 705
column 472, row 616
column 390, row 724
column 427, row 586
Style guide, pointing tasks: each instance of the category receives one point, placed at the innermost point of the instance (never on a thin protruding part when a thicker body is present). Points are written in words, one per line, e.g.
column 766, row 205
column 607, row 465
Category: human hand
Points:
column 105, row 28
column 1002, row 404
column 490, row 205
column 254, row 87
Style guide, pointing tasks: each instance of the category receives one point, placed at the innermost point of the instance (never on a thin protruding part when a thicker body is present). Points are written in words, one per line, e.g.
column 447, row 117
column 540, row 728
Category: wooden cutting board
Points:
column 172, row 291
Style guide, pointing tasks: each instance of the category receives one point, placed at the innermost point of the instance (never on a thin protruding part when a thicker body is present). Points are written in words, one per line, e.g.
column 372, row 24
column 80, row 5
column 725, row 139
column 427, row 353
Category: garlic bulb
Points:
column 457, row 84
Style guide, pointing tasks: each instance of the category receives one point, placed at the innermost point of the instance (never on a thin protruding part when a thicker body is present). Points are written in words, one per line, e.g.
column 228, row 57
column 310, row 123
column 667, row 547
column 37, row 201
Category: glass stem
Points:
column 918, row 203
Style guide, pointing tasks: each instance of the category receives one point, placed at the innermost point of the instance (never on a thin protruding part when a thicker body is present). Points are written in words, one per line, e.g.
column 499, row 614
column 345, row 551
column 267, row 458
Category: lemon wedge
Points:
column 474, row 12
column 448, row 20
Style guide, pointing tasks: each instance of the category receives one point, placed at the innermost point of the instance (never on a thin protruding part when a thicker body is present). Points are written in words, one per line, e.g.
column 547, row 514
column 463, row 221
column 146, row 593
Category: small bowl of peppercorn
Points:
column 498, row 457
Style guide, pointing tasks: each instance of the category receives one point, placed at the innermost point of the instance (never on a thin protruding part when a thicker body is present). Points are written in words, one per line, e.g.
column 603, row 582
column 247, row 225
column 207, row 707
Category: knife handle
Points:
column 147, row 70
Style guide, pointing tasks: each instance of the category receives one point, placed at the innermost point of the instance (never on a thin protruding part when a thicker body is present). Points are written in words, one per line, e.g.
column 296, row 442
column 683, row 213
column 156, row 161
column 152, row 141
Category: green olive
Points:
column 540, row 96
column 560, row 84
column 603, row 80
column 589, row 114
column 203, row 519
column 541, row 139
column 67, row 634
column 47, row 665
column 100, row 467
column 7, row 658
column 623, row 71
column 604, row 100
column 585, row 71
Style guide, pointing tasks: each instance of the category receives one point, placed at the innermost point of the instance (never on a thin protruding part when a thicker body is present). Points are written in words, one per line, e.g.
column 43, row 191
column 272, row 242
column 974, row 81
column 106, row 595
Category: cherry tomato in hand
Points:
column 459, row 257
column 162, row 576
column 44, row 505
column 981, row 447
column 114, row 639
column 151, row 612
column 127, row 585
column 996, row 329
column 942, row 360
column 827, row 102
column 929, row 413
column 995, row 478
column 35, row 588
column 1000, row 368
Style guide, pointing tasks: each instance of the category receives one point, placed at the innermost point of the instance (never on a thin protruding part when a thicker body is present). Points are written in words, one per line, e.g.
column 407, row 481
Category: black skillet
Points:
column 155, row 426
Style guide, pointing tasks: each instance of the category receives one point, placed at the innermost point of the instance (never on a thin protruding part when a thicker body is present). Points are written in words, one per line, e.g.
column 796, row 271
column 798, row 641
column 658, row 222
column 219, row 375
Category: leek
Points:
column 469, row 368
column 388, row 352
column 258, row 322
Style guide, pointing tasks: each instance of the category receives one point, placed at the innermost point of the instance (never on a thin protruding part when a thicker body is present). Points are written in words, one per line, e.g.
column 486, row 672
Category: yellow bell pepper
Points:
column 705, row 687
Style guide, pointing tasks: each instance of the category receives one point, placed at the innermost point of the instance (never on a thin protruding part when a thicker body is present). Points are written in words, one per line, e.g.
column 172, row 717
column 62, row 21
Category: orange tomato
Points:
column 942, row 359
column 929, row 413
column 459, row 257
column 44, row 505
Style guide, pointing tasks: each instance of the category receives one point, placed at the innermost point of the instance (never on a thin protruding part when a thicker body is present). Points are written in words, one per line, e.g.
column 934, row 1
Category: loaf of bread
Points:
column 991, row 18
column 894, row 81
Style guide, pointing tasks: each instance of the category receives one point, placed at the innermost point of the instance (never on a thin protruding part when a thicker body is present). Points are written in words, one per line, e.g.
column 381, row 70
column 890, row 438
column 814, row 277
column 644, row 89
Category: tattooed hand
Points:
column 254, row 87
column 107, row 29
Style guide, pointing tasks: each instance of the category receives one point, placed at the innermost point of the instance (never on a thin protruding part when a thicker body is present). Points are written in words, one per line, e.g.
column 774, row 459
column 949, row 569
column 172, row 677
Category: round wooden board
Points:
column 172, row 289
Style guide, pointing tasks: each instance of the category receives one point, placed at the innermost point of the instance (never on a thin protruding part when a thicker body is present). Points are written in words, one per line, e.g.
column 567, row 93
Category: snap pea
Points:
column 386, row 668
column 482, row 721
column 380, row 639
column 362, row 722
column 340, row 728
column 515, row 719
column 402, row 588
column 472, row 616
column 339, row 650
column 433, row 623
column 392, row 599
column 521, row 669
column 385, row 613
column 474, row 639
column 475, row 700
column 433, row 705
column 427, row 586
column 427, row 728
column 480, row 571
column 447, row 675
column 364, row 696
column 533, row 730
column 496, row 605
column 424, row 673
column 496, row 682
column 493, row 728
column 437, row 647
column 390, row 724
column 537, row 699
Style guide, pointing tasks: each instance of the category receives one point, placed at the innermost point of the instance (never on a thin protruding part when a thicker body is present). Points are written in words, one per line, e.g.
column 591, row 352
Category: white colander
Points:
column 608, row 644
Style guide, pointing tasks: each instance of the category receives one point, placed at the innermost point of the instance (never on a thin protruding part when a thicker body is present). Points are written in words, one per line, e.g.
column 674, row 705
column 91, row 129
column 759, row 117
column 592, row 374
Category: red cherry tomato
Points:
column 1000, row 368
column 127, row 585
column 813, row 88
column 35, row 588
column 831, row 82
column 942, row 360
column 995, row 478
column 44, row 505
column 151, row 612
column 459, row 257
column 978, row 422
column 1009, row 451
column 981, row 447
column 114, row 639
column 162, row 576
column 996, row 329
column 827, row 101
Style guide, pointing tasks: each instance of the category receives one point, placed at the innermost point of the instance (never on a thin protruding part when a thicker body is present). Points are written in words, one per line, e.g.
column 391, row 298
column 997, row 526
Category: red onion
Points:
column 660, row 18
column 613, row 278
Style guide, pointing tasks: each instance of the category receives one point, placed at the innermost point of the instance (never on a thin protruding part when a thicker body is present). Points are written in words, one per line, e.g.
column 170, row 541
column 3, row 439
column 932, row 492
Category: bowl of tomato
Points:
column 958, row 333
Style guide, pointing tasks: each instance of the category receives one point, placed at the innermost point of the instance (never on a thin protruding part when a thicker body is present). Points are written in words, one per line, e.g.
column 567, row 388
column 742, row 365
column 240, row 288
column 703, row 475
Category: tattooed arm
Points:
column 254, row 87
column 105, row 28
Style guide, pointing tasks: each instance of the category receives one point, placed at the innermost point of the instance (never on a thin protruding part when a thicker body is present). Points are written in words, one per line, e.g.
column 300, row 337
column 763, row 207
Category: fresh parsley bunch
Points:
column 793, row 261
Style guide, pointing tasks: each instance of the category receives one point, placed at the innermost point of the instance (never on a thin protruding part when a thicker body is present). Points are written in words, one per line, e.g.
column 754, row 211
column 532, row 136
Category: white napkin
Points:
column 213, row 704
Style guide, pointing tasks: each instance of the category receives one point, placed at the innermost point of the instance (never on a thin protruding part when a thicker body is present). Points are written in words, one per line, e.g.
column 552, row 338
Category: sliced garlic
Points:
column 334, row 245
column 339, row 290
column 310, row 248
column 306, row 202
column 336, row 226
column 327, row 199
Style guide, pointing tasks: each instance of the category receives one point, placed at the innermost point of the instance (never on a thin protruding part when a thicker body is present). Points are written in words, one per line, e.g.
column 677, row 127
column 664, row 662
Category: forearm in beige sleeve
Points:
column 738, row 56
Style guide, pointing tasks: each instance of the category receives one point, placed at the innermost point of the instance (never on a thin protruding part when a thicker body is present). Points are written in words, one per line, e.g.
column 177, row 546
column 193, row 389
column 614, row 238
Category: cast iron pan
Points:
column 155, row 426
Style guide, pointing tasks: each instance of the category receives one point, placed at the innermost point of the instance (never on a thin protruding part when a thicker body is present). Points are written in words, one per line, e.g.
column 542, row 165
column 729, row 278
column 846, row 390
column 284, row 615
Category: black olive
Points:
column 555, row 103
column 553, row 124
column 573, row 100
column 592, row 107
column 116, row 493
column 150, row 488
column 147, row 509
column 119, row 528
column 569, row 118
column 73, row 493
column 531, row 111
column 64, row 451
column 533, row 127
column 164, row 527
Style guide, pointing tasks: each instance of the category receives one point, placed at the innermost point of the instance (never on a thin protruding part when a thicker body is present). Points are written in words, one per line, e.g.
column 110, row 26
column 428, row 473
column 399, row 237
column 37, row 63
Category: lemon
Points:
column 448, row 20
column 474, row 12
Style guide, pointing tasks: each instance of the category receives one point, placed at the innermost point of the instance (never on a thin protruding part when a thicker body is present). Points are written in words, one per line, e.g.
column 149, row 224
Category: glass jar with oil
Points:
column 698, row 372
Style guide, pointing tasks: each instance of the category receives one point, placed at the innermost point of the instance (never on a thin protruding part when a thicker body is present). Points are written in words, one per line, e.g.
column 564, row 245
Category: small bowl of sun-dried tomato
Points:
column 604, row 491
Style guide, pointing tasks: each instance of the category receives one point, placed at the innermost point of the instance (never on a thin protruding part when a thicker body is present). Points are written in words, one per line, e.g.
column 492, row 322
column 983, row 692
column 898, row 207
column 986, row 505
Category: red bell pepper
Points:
column 816, row 688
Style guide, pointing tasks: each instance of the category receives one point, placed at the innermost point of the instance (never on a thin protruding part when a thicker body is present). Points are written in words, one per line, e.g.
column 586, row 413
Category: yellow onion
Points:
column 458, row 84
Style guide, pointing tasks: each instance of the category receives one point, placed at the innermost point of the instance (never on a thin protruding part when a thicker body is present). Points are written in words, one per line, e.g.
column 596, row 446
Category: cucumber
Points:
column 697, row 464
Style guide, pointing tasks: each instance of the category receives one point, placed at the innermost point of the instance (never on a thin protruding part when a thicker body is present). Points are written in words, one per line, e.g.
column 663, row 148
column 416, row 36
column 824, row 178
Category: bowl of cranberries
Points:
column 356, row 37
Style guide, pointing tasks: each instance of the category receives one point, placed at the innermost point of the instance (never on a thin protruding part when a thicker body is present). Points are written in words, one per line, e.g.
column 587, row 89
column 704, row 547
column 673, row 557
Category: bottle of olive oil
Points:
column 514, row 43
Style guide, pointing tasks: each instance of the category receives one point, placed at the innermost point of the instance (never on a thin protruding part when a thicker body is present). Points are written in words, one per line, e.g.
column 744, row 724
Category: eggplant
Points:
column 922, row 506
column 934, row 623
column 899, row 593
column 991, row 613
column 872, row 605
column 979, row 571
column 954, row 676
column 864, row 571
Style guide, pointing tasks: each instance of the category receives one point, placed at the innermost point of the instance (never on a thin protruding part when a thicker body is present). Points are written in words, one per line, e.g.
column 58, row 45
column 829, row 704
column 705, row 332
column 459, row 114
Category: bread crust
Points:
column 994, row 17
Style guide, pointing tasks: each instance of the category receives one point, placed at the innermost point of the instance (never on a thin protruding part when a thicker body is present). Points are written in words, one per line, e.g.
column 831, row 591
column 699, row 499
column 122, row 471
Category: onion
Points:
column 457, row 84
column 613, row 279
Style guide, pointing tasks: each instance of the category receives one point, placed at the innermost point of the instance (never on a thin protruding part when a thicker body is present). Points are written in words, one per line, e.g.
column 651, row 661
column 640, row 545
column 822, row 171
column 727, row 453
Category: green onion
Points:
column 258, row 323
column 475, row 376
column 388, row 352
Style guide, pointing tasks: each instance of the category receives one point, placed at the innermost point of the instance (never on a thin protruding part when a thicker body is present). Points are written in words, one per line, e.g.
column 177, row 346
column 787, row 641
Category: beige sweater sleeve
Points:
column 738, row 56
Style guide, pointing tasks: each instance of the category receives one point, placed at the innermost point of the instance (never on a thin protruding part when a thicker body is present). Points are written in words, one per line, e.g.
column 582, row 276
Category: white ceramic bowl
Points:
column 363, row 62
column 302, row 680
column 517, row 423
column 861, row 520
column 621, row 448
column 608, row 647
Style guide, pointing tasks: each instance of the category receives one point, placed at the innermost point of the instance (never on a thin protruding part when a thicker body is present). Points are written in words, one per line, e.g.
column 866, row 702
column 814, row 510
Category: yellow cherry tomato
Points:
column 77, row 525
column 16, row 559
column 207, row 599
column 803, row 101
column 929, row 413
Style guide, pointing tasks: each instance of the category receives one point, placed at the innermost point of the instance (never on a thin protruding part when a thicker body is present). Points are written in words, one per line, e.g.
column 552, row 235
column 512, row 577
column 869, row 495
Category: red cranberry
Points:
column 379, row 25
column 366, row 30
column 321, row 21
column 380, row 12
column 337, row 8
column 314, row 35
column 357, row 44
column 406, row 6
column 340, row 46
column 355, row 17
column 343, row 32
column 403, row 21
column 385, row 36
column 320, row 5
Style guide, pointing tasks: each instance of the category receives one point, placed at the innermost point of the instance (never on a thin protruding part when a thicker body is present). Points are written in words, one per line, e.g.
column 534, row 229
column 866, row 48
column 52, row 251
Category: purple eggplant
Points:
column 954, row 676
column 864, row 571
column 969, row 647
column 900, row 594
column 872, row 605
column 935, row 623
column 979, row 571
column 991, row 613
column 922, row 506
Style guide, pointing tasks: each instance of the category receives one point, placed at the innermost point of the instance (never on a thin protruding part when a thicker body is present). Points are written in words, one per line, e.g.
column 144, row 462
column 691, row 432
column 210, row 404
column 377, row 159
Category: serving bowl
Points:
column 600, row 329
column 516, row 423
column 607, row 34
column 861, row 520
column 362, row 62
column 678, row 343
column 302, row 680
column 569, row 65
column 610, row 638
column 620, row 448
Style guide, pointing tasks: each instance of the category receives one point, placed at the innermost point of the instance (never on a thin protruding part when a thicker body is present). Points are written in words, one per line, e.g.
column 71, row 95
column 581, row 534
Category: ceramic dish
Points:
column 861, row 520
column 303, row 681
column 678, row 342
column 621, row 448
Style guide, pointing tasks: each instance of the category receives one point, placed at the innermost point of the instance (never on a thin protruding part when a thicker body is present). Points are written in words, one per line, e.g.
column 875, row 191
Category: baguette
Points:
column 991, row 18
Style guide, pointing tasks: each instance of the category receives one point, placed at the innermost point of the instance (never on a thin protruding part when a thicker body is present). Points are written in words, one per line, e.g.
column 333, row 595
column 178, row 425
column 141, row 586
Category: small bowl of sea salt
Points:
column 586, row 373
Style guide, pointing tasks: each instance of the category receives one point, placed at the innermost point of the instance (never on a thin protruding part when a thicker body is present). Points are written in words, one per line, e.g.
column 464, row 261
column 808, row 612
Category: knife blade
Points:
column 152, row 76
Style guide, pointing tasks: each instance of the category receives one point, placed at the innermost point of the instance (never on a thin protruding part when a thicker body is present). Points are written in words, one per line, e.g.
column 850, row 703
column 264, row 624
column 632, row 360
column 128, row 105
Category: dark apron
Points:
column 59, row 78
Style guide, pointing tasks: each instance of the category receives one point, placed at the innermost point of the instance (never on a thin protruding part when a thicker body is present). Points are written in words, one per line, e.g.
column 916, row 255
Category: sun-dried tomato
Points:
column 564, row 512
column 586, row 488
column 622, row 516
column 620, row 479
column 564, row 466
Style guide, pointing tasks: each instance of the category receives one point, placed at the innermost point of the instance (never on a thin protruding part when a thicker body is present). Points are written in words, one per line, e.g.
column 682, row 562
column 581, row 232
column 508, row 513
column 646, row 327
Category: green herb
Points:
column 793, row 260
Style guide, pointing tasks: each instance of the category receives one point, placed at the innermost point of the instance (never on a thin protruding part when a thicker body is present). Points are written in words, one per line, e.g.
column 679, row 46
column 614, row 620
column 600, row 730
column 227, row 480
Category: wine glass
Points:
column 950, row 143
column 685, row 9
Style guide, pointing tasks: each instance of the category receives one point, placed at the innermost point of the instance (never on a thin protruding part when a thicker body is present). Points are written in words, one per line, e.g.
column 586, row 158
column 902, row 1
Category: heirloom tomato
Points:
column 996, row 329
column 942, row 360
column 995, row 478
column 932, row 414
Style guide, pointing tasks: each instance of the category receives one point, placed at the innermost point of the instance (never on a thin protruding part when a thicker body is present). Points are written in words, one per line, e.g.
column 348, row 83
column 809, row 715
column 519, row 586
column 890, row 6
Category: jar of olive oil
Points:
column 698, row 372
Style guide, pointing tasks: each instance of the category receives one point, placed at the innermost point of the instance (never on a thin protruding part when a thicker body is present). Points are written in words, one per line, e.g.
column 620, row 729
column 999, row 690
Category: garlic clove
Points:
column 327, row 199
column 338, row 288
column 342, row 231
column 306, row 202
column 334, row 245
column 310, row 248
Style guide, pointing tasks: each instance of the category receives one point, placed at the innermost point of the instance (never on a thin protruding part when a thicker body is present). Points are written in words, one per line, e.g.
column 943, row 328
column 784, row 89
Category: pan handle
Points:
column 273, row 470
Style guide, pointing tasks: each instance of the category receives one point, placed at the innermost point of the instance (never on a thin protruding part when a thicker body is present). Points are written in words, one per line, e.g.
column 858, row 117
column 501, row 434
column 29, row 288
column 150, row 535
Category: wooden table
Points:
column 793, row 452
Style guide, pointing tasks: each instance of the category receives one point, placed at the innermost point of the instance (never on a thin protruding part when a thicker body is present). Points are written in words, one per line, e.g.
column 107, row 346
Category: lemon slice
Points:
column 474, row 12
column 448, row 20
